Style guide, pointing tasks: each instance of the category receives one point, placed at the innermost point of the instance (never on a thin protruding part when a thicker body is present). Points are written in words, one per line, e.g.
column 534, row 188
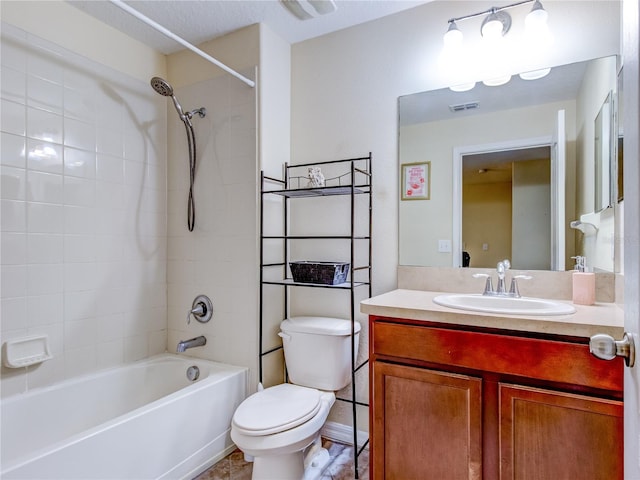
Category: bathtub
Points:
column 139, row 421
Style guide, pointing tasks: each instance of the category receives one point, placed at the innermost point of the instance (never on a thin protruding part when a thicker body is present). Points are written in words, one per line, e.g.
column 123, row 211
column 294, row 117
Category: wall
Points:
column 486, row 218
column 532, row 215
column 83, row 194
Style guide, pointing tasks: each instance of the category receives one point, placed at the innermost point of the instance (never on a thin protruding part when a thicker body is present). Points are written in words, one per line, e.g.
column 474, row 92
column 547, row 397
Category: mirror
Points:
column 453, row 130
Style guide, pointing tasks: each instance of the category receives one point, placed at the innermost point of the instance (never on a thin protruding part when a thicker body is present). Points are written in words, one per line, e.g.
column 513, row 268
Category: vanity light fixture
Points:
column 494, row 27
column 497, row 23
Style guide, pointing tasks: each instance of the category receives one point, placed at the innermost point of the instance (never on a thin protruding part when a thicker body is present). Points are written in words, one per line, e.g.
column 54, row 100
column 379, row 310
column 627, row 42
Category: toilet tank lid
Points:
column 319, row 325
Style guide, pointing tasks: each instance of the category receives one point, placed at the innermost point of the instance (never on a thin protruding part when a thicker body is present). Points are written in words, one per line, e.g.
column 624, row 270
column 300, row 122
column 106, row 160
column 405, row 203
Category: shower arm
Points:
column 132, row 11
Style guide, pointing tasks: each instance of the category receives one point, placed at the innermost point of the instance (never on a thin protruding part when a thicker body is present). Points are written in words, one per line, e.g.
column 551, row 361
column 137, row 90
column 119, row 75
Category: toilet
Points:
column 280, row 426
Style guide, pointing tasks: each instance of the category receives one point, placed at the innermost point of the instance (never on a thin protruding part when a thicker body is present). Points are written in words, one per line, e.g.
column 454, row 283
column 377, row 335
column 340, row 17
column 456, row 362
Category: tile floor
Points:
column 233, row 467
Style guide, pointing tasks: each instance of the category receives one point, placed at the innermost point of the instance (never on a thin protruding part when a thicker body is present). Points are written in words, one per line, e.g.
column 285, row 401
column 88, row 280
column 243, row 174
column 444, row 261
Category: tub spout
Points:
column 193, row 342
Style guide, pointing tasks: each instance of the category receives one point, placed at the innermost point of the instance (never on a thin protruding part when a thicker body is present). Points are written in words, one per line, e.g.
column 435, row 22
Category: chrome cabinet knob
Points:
column 607, row 348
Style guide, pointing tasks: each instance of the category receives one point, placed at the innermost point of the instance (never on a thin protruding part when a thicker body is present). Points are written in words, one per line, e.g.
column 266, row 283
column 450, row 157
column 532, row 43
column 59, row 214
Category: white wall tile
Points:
column 12, row 117
column 43, row 125
column 13, row 183
column 44, row 279
column 13, row 84
column 44, row 94
column 12, row 150
column 79, row 248
column 79, row 304
column 110, row 354
column 110, row 142
column 45, row 248
column 79, row 333
column 80, row 192
column 14, row 313
column 44, row 66
column 79, row 134
column 79, row 220
column 79, row 103
column 13, row 248
column 44, row 156
column 79, row 277
column 45, row 187
column 13, row 216
column 79, row 163
column 45, row 309
column 14, row 281
column 109, row 168
column 45, row 218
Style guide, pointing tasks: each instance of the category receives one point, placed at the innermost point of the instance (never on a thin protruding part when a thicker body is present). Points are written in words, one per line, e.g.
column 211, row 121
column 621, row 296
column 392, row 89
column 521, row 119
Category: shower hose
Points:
column 191, row 140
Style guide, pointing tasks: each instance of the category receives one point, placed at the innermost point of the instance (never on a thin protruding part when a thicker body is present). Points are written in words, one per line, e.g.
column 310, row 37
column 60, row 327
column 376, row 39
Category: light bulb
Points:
column 536, row 19
column 464, row 87
column 453, row 37
column 492, row 30
column 497, row 81
column 535, row 74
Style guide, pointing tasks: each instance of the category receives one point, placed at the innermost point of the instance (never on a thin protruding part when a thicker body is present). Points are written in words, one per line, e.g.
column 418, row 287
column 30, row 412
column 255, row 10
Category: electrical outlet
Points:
column 485, row 247
column 444, row 246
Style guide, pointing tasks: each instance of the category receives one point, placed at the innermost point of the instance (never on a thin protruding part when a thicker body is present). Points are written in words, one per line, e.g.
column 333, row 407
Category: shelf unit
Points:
column 354, row 179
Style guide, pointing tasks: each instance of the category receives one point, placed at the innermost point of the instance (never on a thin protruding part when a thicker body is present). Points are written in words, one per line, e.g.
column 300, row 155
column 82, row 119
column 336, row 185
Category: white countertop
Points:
column 418, row 305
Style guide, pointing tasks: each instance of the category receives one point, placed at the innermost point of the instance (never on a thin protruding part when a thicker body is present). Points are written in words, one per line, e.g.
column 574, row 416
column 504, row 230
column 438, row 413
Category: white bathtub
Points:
column 140, row 421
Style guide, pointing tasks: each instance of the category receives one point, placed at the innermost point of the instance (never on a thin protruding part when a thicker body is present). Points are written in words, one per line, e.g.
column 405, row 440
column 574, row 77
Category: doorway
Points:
column 506, row 208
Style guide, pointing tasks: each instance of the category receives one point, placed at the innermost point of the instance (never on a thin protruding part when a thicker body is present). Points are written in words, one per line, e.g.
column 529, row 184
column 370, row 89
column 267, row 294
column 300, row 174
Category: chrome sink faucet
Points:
column 183, row 345
column 501, row 289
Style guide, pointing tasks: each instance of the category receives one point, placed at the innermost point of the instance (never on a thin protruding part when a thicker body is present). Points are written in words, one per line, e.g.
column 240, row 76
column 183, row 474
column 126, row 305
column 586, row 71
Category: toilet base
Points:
column 289, row 466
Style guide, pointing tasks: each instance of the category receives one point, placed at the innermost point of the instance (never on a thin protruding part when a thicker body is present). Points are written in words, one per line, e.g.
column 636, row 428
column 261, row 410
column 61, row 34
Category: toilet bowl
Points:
column 280, row 426
column 276, row 425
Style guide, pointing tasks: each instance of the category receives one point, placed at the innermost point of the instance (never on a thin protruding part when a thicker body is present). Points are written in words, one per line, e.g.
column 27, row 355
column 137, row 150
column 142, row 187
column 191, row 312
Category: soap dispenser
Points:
column 584, row 283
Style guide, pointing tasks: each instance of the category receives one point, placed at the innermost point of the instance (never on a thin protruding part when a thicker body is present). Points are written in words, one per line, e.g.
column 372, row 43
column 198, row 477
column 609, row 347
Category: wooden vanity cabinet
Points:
column 450, row 403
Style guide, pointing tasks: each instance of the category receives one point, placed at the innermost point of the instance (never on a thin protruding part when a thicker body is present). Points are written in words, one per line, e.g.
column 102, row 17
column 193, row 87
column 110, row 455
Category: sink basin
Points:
column 506, row 305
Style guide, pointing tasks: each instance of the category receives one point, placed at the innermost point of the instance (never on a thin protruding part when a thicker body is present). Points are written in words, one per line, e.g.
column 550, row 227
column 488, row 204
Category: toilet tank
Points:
column 317, row 351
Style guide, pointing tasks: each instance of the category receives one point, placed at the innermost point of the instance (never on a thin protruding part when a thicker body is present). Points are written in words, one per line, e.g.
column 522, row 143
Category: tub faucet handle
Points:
column 201, row 309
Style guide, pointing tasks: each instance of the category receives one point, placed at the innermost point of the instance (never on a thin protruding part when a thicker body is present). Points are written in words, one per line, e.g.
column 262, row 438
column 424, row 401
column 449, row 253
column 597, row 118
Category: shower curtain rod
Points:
column 120, row 4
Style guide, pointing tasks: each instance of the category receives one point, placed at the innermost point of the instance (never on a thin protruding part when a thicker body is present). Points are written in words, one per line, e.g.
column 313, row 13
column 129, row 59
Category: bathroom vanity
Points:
column 465, row 395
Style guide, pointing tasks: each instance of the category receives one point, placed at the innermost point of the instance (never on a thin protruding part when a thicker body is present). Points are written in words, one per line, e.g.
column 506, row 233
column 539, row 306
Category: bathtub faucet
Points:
column 192, row 342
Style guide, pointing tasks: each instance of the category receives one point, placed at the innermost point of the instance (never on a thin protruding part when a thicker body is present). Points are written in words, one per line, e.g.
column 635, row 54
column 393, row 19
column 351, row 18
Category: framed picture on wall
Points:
column 416, row 181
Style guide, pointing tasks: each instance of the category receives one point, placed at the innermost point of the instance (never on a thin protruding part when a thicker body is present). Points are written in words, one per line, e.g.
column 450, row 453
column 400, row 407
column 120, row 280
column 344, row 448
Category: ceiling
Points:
column 198, row 21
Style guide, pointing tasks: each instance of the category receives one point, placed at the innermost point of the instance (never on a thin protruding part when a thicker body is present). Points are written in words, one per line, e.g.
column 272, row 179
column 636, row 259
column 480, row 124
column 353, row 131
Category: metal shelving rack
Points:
column 357, row 180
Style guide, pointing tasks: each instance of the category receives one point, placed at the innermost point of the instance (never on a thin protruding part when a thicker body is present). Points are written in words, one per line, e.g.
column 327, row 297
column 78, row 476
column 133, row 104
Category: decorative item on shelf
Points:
column 323, row 273
column 316, row 178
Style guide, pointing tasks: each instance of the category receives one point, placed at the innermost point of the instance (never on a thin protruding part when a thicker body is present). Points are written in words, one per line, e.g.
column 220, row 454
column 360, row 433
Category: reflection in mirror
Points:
column 603, row 156
column 444, row 127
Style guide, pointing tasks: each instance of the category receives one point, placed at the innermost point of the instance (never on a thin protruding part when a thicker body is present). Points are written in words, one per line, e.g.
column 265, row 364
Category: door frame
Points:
column 458, row 153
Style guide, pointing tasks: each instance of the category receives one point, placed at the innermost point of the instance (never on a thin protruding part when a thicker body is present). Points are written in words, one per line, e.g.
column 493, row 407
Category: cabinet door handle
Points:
column 607, row 348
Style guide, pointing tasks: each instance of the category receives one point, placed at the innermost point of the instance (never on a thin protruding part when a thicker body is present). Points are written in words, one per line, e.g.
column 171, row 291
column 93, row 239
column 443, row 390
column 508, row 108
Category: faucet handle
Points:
column 514, row 291
column 201, row 309
column 488, row 286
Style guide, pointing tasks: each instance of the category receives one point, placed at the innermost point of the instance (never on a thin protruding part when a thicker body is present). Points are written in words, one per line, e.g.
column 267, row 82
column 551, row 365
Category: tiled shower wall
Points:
column 219, row 258
column 83, row 211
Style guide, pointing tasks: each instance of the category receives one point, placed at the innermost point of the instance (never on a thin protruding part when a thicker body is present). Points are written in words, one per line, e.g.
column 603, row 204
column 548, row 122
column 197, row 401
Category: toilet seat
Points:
column 276, row 409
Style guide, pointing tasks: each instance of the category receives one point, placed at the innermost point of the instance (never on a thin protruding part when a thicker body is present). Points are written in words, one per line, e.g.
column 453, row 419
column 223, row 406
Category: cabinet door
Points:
column 546, row 434
column 426, row 424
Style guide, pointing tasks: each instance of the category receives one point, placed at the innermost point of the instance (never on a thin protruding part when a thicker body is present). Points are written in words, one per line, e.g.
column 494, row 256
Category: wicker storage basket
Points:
column 324, row 273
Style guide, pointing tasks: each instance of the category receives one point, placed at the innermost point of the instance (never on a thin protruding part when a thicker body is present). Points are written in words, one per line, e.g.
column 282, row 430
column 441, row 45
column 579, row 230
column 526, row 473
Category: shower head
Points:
column 165, row 89
column 161, row 86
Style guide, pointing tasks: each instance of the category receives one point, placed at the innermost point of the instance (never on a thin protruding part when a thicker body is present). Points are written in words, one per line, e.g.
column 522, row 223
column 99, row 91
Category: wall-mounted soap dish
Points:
column 25, row 351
